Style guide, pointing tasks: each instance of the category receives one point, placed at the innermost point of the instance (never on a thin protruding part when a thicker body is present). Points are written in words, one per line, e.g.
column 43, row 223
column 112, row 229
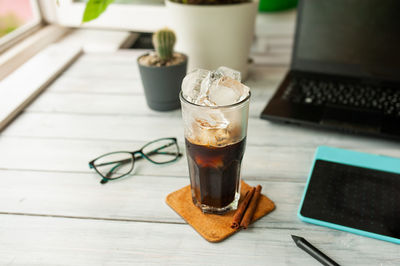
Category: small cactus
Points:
column 164, row 41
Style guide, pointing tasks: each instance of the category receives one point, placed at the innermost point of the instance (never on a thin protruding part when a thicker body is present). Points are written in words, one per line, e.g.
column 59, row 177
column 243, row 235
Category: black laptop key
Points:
column 341, row 94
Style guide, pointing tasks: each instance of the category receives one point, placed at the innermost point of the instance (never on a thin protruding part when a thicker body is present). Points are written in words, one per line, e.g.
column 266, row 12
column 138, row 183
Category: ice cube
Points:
column 216, row 127
column 221, row 95
column 229, row 72
column 227, row 91
column 191, row 84
column 214, row 88
column 211, row 120
column 211, row 79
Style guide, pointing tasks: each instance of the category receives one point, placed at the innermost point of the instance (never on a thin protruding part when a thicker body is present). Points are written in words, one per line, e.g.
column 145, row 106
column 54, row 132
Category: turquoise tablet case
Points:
column 357, row 159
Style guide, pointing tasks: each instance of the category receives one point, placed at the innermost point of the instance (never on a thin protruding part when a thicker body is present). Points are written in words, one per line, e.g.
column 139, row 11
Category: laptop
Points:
column 345, row 68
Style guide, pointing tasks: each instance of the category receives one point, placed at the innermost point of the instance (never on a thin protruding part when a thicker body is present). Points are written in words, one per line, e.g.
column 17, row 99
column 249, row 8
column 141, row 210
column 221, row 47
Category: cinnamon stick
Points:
column 242, row 208
column 248, row 215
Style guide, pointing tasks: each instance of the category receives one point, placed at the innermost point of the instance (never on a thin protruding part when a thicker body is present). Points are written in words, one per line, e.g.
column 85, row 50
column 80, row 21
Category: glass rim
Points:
column 183, row 99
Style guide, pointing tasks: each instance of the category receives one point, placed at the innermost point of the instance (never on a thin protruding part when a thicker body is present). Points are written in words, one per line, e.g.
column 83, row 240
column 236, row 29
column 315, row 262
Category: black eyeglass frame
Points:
column 139, row 152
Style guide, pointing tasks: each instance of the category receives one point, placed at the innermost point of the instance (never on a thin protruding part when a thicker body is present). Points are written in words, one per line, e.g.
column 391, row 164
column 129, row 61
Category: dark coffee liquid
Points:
column 214, row 172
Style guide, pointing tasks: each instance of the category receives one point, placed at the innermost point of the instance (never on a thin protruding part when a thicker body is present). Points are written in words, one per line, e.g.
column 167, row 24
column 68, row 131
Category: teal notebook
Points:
column 354, row 192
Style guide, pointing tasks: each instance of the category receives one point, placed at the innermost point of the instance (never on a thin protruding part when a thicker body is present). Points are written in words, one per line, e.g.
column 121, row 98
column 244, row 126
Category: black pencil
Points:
column 313, row 251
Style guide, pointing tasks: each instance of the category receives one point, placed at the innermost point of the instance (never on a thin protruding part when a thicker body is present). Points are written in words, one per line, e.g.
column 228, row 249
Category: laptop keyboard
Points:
column 341, row 94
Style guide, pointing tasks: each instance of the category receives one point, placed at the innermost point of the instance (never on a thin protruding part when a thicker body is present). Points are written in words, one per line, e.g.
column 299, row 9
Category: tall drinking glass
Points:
column 215, row 139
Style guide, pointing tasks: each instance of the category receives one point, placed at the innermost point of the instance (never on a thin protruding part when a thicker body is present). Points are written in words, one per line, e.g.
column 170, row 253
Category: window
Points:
column 132, row 15
column 17, row 17
column 136, row 2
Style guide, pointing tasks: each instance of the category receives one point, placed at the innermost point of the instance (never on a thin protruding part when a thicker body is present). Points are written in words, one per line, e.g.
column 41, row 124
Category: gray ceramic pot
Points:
column 162, row 85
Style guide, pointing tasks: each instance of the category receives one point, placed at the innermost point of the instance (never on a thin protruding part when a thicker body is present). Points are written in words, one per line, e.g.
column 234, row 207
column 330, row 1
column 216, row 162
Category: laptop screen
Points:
column 349, row 37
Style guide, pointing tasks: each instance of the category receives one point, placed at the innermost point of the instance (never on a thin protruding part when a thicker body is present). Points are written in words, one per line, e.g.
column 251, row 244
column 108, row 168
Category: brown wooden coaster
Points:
column 212, row 227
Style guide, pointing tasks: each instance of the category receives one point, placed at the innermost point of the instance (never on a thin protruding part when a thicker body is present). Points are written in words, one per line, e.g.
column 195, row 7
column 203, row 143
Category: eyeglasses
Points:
column 114, row 165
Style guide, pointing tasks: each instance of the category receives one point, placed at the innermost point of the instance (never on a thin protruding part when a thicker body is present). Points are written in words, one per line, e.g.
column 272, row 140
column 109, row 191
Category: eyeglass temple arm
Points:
column 125, row 161
column 112, row 169
column 120, row 162
column 106, row 178
column 162, row 147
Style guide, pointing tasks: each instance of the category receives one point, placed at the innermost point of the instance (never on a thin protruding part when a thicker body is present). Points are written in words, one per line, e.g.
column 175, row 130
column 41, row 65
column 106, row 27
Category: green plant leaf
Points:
column 94, row 8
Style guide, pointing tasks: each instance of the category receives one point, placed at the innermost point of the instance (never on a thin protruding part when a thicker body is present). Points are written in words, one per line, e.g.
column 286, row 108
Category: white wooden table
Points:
column 54, row 211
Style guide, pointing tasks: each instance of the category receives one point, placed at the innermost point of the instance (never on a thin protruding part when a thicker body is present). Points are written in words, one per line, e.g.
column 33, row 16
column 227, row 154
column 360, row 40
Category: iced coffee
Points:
column 215, row 107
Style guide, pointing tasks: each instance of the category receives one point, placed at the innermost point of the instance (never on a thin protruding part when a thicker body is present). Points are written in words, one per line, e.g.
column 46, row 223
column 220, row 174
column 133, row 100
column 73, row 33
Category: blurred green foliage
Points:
column 94, row 8
column 8, row 23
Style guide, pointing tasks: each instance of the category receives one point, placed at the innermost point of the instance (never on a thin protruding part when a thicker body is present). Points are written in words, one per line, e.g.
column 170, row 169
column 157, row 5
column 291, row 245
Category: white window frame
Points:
column 131, row 17
column 21, row 32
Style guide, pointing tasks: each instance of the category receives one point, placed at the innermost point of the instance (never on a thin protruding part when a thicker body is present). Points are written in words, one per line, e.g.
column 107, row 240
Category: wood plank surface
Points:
column 28, row 240
column 136, row 198
column 147, row 128
column 54, row 211
column 61, row 155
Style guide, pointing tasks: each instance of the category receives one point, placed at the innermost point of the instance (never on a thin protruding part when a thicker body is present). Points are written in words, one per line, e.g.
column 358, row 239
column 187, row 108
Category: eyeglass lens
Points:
column 114, row 165
column 161, row 151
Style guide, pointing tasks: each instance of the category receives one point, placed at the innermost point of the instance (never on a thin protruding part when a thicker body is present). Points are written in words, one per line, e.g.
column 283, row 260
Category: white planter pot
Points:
column 213, row 36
